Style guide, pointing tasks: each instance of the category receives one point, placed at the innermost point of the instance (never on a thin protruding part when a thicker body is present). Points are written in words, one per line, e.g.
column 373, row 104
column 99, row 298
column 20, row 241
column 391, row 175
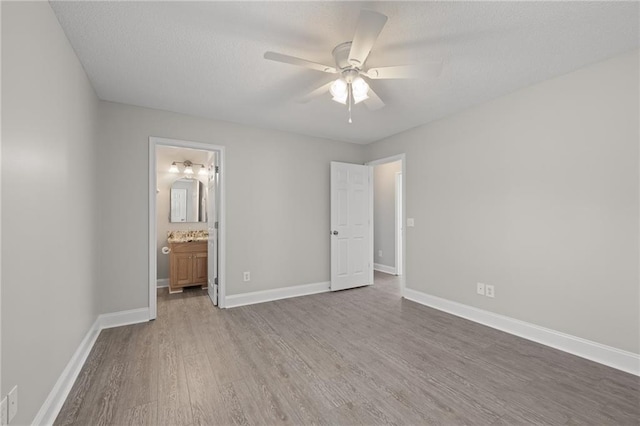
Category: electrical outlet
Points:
column 480, row 288
column 12, row 403
column 490, row 291
column 3, row 412
column 246, row 276
column 379, row 253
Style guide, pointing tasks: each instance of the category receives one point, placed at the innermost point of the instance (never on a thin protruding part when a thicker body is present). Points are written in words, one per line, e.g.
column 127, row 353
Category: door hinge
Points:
column 217, row 169
column 215, row 225
column 215, row 280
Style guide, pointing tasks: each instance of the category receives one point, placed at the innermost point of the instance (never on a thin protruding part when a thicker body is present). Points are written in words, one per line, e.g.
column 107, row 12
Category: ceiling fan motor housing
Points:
column 341, row 56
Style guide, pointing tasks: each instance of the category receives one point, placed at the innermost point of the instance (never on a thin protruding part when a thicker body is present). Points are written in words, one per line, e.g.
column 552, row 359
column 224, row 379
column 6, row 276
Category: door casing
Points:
column 402, row 159
column 153, row 259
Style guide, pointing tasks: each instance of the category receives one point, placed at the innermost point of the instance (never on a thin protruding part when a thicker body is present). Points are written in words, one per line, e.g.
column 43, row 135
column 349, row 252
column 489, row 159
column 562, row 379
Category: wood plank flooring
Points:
column 361, row 356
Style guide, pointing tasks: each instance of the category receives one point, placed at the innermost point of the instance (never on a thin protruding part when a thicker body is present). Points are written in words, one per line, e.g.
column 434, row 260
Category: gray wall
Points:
column 49, row 291
column 277, row 201
column 384, row 213
column 535, row 193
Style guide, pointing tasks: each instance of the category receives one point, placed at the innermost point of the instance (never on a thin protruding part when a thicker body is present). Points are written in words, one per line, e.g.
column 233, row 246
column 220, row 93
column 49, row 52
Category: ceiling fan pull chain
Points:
column 350, row 95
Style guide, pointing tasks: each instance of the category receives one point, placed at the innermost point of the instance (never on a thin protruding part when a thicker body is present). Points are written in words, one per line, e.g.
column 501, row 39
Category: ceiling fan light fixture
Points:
column 339, row 89
column 359, row 98
column 360, row 87
column 341, row 100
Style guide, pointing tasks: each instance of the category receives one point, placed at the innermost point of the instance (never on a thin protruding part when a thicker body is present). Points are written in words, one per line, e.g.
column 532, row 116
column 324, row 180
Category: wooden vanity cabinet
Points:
column 187, row 265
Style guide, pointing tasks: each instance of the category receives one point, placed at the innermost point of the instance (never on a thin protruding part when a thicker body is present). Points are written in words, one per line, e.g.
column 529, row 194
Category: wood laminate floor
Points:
column 361, row 356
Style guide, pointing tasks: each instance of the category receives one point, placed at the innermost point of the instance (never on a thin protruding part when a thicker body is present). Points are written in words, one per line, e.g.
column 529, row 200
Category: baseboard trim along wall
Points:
column 52, row 405
column 118, row 319
column 384, row 268
column 162, row 282
column 603, row 354
column 252, row 298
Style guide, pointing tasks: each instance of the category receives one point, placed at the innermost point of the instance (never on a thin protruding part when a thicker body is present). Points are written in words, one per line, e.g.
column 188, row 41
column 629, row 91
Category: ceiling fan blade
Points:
column 373, row 102
column 315, row 93
column 279, row 57
column 369, row 25
column 429, row 70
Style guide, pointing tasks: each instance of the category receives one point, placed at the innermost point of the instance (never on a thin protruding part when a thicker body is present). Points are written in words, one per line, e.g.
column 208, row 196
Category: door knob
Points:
column 335, row 232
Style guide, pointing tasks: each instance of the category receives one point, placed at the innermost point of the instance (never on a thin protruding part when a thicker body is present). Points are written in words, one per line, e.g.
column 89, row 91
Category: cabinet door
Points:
column 200, row 268
column 183, row 268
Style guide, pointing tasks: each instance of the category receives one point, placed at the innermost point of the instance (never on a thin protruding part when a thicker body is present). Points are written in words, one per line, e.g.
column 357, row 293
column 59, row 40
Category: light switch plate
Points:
column 480, row 288
column 410, row 222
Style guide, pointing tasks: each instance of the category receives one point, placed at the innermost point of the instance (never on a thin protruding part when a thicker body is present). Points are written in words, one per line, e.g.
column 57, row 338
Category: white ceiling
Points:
column 205, row 58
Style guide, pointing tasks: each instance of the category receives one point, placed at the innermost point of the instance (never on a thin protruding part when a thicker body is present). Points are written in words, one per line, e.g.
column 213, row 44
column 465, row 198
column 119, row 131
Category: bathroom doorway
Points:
column 186, row 220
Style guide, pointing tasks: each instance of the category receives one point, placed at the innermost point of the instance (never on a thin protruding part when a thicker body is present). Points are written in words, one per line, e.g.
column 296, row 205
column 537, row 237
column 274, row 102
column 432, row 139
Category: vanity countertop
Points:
column 187, row 236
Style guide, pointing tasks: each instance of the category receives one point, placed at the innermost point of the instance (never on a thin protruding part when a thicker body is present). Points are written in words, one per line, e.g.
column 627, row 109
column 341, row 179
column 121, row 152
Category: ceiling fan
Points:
column 350, row 58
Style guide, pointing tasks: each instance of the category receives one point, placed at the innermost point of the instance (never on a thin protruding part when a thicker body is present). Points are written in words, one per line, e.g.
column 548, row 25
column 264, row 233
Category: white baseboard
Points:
column 162, row 282
column 52, row 405
column 276, row 294
column 603, row 354
column 118, row 319
column 384, row 268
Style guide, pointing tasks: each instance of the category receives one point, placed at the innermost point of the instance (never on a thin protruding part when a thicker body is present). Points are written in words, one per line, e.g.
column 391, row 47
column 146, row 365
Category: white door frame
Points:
column 403, row 162
column 153, row 237
column 399, row 223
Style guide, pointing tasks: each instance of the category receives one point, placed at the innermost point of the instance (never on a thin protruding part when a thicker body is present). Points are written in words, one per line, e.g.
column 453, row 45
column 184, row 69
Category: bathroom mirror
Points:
column 188, row 201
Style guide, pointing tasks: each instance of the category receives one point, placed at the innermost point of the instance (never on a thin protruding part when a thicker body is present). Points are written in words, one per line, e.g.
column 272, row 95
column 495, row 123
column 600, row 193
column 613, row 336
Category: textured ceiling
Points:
column 205, row 58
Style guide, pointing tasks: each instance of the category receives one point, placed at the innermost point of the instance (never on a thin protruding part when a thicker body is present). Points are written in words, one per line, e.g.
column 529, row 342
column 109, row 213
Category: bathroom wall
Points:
column 49, row 203
column 384, row 213
column 165, row 156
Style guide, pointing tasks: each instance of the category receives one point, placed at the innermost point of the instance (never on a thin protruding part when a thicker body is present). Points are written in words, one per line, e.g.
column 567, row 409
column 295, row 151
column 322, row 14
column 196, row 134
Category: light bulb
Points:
column 359, row 88
column 342, row 100
column 188, row 170
column 357, row 99
column 202, row 171
column 173, row 168
column 339, row 89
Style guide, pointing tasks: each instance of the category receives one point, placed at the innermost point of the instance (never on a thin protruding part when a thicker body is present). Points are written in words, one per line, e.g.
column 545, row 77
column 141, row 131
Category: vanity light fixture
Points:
column 188, row 168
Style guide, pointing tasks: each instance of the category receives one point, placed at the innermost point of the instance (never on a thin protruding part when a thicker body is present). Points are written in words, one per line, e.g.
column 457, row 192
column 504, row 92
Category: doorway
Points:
column 388, row 219
column 193, row 210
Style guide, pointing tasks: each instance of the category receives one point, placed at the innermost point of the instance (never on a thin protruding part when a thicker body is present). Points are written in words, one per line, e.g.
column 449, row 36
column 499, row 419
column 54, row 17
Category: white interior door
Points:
column 351, row 251
column 212, row 245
